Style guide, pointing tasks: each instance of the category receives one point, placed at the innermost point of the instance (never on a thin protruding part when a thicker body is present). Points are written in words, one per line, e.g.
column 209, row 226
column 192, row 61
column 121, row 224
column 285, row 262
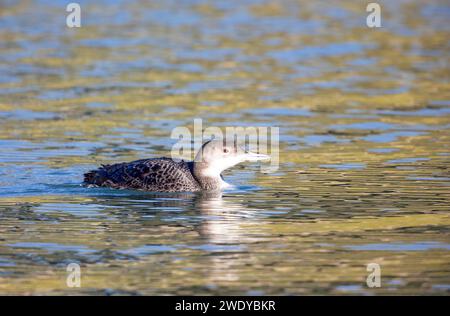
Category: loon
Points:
column 166, row 175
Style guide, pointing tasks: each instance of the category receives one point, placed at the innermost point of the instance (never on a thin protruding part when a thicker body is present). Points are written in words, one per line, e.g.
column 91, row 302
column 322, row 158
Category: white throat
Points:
column 214, row 171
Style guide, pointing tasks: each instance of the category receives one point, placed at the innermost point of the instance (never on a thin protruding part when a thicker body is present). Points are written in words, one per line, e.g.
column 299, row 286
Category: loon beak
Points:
column 249, row 156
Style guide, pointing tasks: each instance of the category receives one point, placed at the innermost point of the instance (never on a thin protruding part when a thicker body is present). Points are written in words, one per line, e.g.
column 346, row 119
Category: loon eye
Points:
column 225, row 150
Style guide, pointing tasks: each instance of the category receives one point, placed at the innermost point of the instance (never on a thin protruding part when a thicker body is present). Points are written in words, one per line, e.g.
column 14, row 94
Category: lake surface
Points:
column 364, row 117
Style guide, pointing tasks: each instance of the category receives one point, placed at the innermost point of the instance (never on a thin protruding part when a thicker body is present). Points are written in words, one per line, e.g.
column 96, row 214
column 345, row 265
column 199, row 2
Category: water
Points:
column 364, row 136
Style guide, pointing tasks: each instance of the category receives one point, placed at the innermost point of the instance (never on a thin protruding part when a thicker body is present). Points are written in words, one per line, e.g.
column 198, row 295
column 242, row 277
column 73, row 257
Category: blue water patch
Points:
column 59, row 94
column 440, row 102
column 287, row 24
column 383, row 150
column 309, row 211
column 421, row 112
column 75, row 209
column 444, row 287
column 200, row 86
column 4, row 262
column 27, row 115
column 336, row 12
column 353, row 116
column 376, row 92
column 407, row 160
column 390, row 137
column 366, row 126
column 111, row 42
column 367, row 61
column 405, row 168
column 437, row 14
column 395, row 282
column 147, row 250
column 172, row 18
column 273, row 212
column 53, row 247
column 344, row 166
column 219, row 248
column 189, row 67
column 17, row 151
column 273, row 41
column 98, row 105
column 255, row 292
column 315, row 140
column 312, row 52
column 348, row 288
column 212, row 103
column 419, row 246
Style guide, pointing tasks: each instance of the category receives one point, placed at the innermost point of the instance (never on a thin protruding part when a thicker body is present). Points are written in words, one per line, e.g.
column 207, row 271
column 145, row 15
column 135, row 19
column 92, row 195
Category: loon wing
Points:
column 156, row 174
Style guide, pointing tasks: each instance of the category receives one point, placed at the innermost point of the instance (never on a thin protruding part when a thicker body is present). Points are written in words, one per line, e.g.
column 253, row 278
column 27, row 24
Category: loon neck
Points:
column 208, row 177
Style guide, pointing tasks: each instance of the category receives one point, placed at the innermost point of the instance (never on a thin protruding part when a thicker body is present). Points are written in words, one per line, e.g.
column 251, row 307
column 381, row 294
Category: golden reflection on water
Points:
column 364, row 147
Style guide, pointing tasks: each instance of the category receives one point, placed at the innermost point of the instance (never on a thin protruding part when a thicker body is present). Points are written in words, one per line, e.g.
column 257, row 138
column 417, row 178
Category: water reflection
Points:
column 221, row 229
column 363, row 117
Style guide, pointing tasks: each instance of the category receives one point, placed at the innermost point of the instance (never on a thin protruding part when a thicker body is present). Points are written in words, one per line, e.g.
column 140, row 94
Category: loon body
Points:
column 167, row 175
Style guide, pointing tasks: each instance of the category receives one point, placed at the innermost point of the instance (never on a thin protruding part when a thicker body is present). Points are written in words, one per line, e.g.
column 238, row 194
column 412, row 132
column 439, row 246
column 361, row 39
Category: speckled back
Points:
column 155, row 174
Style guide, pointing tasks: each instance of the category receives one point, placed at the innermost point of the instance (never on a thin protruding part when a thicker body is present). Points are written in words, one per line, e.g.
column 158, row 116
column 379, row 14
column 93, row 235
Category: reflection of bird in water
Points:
column 214, row 218
column 225, row 235
column 218, row 222
column 167, row 175
column 222, row 218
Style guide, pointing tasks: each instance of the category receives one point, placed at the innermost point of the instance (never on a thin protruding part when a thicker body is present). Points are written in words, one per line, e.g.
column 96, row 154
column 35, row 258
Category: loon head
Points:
column 217, row 155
